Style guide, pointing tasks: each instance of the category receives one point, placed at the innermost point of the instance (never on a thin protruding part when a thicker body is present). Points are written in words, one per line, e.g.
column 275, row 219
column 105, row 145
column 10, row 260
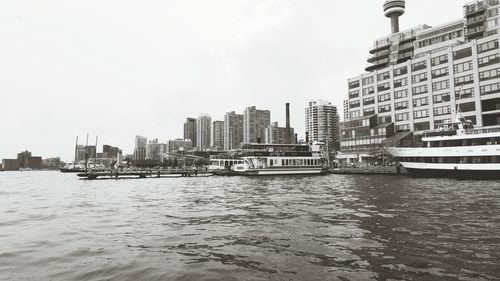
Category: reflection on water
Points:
column 55, row 227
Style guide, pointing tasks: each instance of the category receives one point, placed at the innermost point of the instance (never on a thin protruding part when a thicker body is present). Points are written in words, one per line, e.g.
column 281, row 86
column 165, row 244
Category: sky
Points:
column 121, row 68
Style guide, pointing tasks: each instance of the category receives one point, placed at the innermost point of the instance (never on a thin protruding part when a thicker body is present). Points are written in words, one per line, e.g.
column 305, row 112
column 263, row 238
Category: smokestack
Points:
column 288, row 140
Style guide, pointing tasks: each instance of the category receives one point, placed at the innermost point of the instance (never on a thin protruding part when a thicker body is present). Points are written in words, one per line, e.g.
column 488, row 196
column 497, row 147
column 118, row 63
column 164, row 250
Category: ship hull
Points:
column 282, row 172
column 455, row 171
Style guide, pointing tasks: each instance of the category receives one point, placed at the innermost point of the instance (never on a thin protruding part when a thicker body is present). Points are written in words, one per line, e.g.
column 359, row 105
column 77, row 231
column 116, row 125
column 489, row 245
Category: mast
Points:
column 76, row 152
column 86, row 151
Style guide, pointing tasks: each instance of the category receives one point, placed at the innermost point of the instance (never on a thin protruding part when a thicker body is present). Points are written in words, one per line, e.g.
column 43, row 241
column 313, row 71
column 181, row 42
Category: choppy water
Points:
column 55, row 227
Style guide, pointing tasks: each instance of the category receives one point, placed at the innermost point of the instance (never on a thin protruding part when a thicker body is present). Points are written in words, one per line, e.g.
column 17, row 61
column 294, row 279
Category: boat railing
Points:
column 482, row 131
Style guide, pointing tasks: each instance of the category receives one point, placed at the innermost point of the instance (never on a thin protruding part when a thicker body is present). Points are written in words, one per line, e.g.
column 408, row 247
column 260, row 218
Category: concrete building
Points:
column 322, row 122
column 346, row 110
column 26, row 160
column 279, row 135
column 153, row 150
column 109, row 151
column 255, row 122
column 233, row 130
column 10, row 165
column 190, row 130
column 416, row 78
column 140, row 148
column 179, row 146
column 204, row 132
column 51, row 163
column 218, row 135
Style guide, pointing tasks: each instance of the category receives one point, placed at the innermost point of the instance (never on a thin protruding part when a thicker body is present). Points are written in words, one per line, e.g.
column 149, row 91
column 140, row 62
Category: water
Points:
column 56, row 227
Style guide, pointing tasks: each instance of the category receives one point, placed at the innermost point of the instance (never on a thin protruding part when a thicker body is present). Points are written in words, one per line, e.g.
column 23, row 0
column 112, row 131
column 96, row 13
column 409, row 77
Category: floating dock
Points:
column 147, row 173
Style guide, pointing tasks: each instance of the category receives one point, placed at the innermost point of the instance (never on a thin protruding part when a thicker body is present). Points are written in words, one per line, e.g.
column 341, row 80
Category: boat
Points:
column 73, row 167
column 281, row 159
column 224, row 165
column 454, row 150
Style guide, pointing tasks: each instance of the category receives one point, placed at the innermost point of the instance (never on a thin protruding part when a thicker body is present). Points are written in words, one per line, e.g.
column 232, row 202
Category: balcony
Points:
column 475, row 9
column 476, row 21
column 384, row 55
column 379, row 46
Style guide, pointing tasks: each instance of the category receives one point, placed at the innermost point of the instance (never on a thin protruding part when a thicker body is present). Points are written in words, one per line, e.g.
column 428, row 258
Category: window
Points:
column 400, row 71
column 400, row 82
column 420, row 113
column 461, row 67
column 403, row 128
column 354, row 104
column 367, row 80
column 441, row 98
column 419, row 66
column 384, row 108
column 489, row 74
column 400, row 94
column 354, row 114
column 490, row 89
column 402, row 116
column 384, row 119
column 441, row 85
column 419, row 90
column 369, row 111
column 422, row 126
column 353, row 94
column 481, row 48
column 439, row 60
column 368, row 101
column 353, row 84
column 467, row 52
column 368, row 91
column 401, row 105
column 384, row 97
column 443, row 110
column 383, row 87
column 383, row 76
column 440, row 72
column 464, row 80
column 464, row 93
column 467, row 107
column 489, row 60
column 420, row 102
column 419, row 77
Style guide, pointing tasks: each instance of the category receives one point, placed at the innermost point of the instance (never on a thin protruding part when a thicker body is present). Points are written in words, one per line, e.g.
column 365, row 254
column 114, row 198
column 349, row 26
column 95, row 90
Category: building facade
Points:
column 179, row 146
column 203, row 132
column 255, row 122
column 278, row 135
column 190, row 130
column 417, row 78
column 218, row 135
column 154, row 150
column 322, row 122
column 233, row 130
column 140, row 148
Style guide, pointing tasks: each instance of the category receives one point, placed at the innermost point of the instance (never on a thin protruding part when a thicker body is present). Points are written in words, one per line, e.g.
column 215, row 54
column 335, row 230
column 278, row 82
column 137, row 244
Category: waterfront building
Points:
column 203, row 132
column 279, row 135
column 255, row 122
column 109, row 151
column 153, row 150
column 218, row 135
column 415, row 78
column 10, row 164
column 179, row 146
column 322, row 122
column 140, row 148
column 233, row 130
column 190, row 130
column 51, row 163
column 26, row 160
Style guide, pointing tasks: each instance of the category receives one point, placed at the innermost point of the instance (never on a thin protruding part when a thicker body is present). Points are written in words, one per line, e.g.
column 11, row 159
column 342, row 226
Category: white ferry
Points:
column 455, row 150
column 224, row 166
column 281, row 159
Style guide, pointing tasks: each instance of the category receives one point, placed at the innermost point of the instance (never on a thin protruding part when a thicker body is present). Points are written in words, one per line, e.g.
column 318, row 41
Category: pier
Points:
column 142, row 173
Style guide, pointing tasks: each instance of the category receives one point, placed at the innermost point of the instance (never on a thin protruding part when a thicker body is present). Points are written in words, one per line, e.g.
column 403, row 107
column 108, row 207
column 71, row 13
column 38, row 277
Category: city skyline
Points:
column 102, row 74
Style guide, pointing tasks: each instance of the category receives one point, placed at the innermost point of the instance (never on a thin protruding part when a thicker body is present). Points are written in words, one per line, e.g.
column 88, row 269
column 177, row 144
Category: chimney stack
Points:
column 288, row 140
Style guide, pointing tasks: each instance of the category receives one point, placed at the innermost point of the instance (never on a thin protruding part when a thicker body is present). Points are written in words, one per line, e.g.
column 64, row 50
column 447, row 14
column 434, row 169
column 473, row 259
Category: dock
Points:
column 371, row 170
column 142, row 173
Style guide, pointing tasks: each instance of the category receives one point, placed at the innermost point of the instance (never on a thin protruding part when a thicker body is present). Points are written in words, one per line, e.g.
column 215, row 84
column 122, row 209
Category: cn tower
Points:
column 394, row 9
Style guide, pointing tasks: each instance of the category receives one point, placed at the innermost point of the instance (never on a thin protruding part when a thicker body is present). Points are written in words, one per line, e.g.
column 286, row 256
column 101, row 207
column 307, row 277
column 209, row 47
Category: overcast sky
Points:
column 120, row 68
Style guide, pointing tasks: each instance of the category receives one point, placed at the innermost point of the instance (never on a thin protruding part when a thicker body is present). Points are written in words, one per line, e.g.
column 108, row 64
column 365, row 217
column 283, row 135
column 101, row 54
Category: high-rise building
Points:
column 417, row 78
column 218, row 135
column 109, row 151
column 322, row 122
column 233, row 130
column 140, row 148
column 153, row 150
column 278, row 135
column 255, row 122
column 203, row 131
column 26, row 160
column 190, row 130
column 346, row 110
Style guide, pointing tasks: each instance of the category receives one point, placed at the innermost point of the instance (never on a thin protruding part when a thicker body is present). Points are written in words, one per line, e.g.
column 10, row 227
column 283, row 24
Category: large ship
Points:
column 281, row 159
column 454, row 150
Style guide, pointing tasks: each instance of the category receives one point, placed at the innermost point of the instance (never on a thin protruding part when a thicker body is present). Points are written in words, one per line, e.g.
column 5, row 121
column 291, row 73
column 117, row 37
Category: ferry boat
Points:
column 224, row 166
column 454, row 150
column 281, row 159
